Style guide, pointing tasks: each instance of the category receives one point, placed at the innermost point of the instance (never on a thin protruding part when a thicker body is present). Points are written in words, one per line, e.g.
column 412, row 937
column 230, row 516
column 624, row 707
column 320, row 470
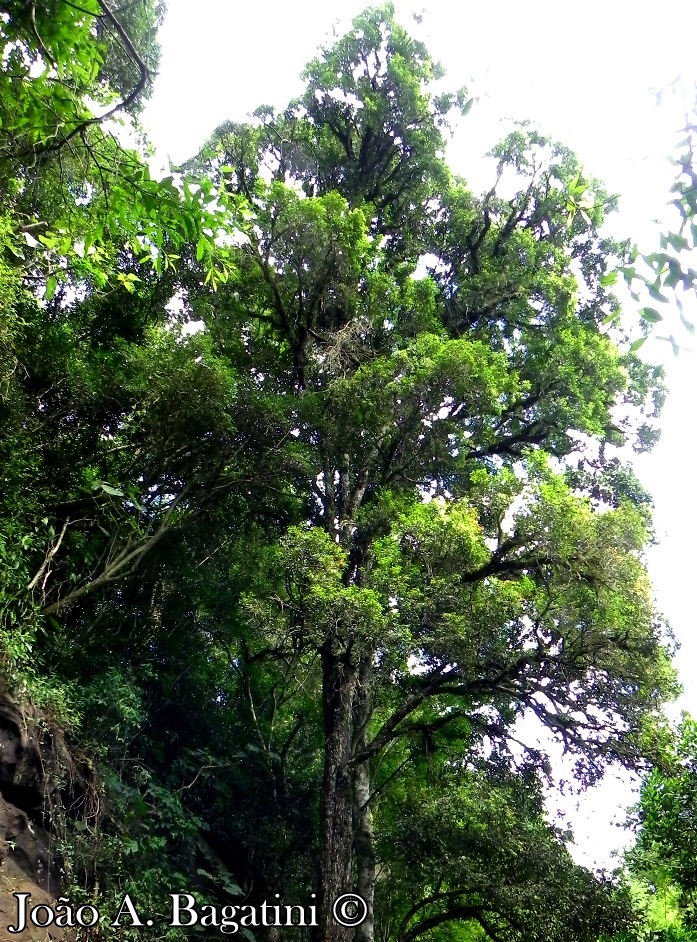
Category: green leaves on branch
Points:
column 78, row 194
column 665, row 820
column 669, row 275
column 315, row 557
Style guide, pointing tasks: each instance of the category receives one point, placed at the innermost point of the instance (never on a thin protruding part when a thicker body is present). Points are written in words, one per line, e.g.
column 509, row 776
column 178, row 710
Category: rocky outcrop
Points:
column 27, row 867
column 38, row 776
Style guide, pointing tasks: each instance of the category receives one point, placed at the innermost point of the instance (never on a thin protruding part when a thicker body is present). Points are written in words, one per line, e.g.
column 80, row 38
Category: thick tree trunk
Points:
column 362, row 820
column 340, row 676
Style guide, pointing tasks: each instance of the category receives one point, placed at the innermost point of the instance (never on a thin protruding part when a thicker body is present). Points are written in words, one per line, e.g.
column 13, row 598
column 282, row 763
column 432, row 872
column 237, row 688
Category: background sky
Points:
column 586, row 75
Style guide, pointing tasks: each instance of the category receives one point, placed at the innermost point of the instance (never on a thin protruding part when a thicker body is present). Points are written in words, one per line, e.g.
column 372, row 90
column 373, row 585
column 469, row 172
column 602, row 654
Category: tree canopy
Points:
column 312, row 498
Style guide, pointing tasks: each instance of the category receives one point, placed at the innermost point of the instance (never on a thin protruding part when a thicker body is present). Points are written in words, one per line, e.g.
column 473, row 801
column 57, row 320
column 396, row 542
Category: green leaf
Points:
column 679, row 242
column 113, row 491
column 637, row 344
column 656, row 294
column 51, row 285
column 232, row 888
column 651, row 315
column 674, row 276
column 687, row 324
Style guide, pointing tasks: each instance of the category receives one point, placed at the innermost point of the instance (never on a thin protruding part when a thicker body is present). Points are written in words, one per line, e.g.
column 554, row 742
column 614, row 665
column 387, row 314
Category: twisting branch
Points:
column 39, row 41
column 49, row 556
column 125, row 103
column 124, row 563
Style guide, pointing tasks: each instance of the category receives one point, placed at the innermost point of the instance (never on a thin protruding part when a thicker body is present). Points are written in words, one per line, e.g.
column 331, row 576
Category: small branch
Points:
column 39, row 41
column 49, row 556
column 204, row 768
column 121, row 105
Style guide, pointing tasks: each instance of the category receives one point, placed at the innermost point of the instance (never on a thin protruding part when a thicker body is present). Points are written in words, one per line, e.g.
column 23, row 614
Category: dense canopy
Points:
column 312, row 498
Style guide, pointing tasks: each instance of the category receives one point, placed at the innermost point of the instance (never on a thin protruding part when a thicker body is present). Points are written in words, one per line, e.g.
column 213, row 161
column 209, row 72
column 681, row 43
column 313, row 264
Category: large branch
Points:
column 463, row 912
column 124, row 563
column 125, row 103
column 389, row 729
column 113, row 573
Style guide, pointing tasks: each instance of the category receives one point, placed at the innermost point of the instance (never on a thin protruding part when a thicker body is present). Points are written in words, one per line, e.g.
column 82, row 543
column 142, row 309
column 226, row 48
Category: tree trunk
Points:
column 362, row 819
column 339, row 685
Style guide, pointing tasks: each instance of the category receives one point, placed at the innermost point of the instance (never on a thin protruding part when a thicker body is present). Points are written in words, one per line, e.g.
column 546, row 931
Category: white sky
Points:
column 584, row 74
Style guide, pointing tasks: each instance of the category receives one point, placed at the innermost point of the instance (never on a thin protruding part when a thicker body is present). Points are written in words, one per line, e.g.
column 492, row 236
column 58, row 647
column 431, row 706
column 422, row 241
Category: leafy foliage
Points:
column 667, row 276
column 664, row 852
column 296, row 577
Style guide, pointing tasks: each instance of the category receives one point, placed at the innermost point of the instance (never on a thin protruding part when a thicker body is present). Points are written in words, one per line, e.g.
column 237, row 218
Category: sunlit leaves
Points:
column 669, row 275
column 63, row 159
column 319, row 517
column 665, row 821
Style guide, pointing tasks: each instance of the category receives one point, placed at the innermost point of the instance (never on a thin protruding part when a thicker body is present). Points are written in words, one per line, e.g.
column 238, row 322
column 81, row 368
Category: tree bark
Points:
column 364, row 844
column 340, row 677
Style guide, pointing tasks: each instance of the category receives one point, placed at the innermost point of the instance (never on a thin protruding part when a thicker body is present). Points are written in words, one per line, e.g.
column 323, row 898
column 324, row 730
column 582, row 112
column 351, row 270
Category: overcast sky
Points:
column 587, row 75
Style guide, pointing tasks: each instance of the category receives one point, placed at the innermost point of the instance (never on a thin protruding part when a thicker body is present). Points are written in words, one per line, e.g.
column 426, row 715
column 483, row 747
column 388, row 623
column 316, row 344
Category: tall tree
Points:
column 514, row 590
column 82, row 223
column 327, row 552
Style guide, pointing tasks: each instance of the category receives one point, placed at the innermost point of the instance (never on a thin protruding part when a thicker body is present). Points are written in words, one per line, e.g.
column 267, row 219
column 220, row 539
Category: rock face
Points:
column 26, row 867
column 37, row 774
